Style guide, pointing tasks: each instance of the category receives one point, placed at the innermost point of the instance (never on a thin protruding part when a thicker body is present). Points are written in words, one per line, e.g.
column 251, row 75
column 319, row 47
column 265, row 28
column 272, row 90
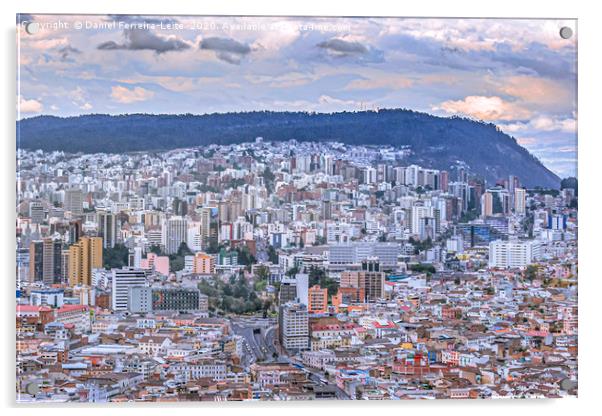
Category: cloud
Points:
column 568, row 125
column 29, row 106
column 343, row 47
column 126, row 96
column 389, row 81
column 544, row 123
column 139, row 39
column 485, row 108
column 226, row 49
column 67, row 51
column 538, row 92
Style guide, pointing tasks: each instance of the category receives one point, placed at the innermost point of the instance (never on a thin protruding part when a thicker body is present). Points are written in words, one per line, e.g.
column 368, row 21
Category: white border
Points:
column 590, row 214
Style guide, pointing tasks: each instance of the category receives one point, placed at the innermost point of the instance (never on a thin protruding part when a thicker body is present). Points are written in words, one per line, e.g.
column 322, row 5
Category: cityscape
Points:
column 279, row 267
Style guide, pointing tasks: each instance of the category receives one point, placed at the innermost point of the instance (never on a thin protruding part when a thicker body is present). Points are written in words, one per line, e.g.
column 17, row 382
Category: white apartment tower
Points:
column 513, row 253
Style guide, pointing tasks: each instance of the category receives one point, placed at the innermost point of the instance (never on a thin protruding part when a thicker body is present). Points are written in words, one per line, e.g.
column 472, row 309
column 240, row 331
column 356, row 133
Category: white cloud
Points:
column 126, row 96
column 543, row 123
column 484, row 108
column 29, row 106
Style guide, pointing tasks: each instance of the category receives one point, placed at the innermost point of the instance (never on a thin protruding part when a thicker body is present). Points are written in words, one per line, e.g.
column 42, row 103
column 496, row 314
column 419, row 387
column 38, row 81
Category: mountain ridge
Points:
column 436, row 142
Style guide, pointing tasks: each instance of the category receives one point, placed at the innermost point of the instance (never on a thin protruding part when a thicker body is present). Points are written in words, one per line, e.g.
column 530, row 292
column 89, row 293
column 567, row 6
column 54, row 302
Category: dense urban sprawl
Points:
column 289, row 271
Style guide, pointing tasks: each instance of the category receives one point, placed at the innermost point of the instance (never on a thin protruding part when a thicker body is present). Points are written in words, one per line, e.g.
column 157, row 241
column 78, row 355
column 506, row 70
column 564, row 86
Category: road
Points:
column 259, row 338
column 317, row 376
column 260, row 346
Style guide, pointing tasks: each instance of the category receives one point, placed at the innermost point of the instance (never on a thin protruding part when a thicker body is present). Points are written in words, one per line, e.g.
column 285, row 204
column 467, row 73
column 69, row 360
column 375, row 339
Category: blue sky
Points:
column 518, row 74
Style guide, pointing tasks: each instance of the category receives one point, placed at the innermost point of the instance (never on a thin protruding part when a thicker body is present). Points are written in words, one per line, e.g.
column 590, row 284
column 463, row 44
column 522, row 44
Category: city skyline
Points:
column 371, row 254
column 518, row 74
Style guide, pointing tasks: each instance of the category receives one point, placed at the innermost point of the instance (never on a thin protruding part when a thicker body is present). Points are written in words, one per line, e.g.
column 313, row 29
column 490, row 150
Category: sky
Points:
column 518, row 74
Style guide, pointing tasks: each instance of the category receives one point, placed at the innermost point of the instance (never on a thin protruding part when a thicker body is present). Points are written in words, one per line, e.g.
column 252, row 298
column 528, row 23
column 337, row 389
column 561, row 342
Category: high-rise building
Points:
column 288, row 291
column 444, row 180
column 302, row 282
column 74, row 201
column 317, row 300
column 36, row 212
column 75, row 230
column 84, row 256
column 513, row 253
column 294, row 327
column 486, row 205
column 46, row 261
column 175, row 231
column 107, row 228
column 205, row 214
column 123, row 280
column 520, row 201
column 372, row 280
column 419, row 211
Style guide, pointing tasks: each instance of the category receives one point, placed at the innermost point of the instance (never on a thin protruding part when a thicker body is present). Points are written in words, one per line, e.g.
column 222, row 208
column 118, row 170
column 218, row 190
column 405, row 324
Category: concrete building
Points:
column 520, row 201
column 84, row 256
column 123, row 280
column 107, row 227
column 142, row 299
column 74, row 201
column 318, row 300
column 175, row 232
column 45, row 261
column 294, row 327
column 513, row 253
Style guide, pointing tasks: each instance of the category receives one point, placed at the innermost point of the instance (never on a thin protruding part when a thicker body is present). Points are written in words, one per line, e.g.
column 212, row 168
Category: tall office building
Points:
column 107, row 228
column 46, row 261
column 36, row 212
column 294, row 327
column 520, row 201
column 486, row 205
column 123, row 280
column 302, row 282
column 75, row 230
column 418, row 212
column 372, row 280
column 175, row 231
column 288, row 290
column 74, row 201
column 444, row 180
column 84, row 256
column 205, row 230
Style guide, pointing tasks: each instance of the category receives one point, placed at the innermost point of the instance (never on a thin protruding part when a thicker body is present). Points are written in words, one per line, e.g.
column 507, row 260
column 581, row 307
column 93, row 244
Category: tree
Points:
column 272, row 255
column 318, row 276
column 269, row 177
column 422, row 268
column 183, row 250
column 156, row 249
column 531, row 272
column 245, row 257
column 115, row 257
column 292, row 271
